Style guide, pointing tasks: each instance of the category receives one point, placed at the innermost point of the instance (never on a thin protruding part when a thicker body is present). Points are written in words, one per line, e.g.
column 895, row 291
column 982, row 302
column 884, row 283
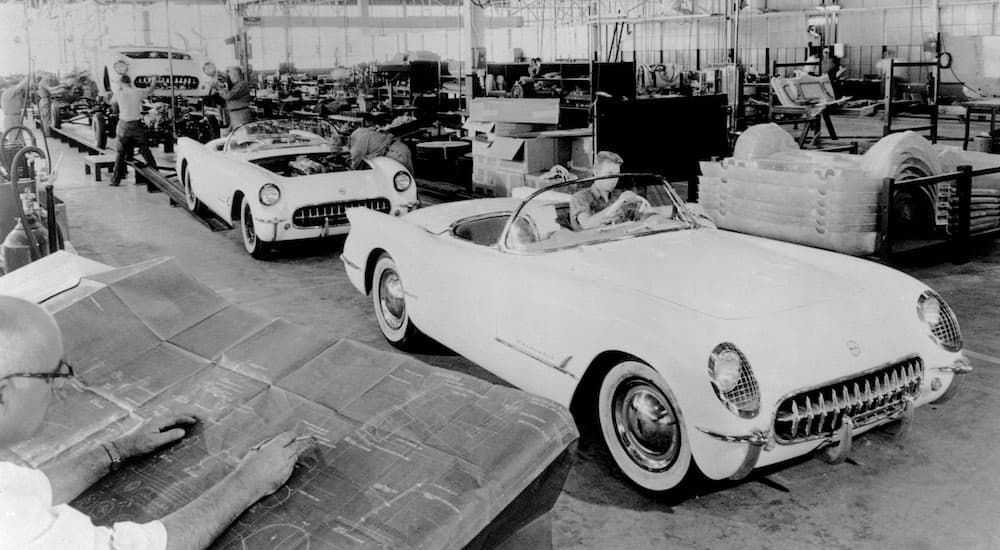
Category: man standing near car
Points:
column 237, row 98
column 131, row 131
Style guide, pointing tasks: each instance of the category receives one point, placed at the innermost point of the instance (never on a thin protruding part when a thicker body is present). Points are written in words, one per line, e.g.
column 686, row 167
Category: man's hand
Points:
column 269, row 465
column 151, row 435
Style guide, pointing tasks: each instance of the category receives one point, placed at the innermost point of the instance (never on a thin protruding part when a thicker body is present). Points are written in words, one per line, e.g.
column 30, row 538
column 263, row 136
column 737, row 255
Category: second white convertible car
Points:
column 279, row 180
column 689, row 345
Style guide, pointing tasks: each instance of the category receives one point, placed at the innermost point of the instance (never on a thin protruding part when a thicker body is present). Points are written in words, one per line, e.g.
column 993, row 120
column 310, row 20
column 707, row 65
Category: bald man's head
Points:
column 29, row 337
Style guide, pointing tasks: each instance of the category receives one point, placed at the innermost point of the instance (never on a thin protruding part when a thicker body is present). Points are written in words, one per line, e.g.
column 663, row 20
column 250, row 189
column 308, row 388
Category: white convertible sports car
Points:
column 691, row 345
column 279, row 180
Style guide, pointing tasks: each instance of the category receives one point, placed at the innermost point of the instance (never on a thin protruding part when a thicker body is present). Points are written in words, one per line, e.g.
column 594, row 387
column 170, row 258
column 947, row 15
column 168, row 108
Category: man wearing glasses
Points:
column 33, row 509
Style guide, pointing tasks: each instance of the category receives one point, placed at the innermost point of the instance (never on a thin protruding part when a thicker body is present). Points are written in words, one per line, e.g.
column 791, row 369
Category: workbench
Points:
column 981, row 106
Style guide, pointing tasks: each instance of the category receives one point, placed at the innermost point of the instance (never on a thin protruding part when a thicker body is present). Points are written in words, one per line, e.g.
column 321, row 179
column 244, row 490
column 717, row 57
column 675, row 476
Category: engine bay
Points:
column 306, row 164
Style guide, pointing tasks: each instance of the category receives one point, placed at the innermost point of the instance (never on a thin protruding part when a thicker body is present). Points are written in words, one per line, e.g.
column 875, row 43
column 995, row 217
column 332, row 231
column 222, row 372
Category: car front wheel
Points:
column 192, row 202
column 642, row 426
column 389, row 300
column 257, row 248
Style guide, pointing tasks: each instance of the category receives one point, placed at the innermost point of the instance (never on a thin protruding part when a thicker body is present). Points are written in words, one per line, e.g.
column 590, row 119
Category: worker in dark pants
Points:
column 131, row 130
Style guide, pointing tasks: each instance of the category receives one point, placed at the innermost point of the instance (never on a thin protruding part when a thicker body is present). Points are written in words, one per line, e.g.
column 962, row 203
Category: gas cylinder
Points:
column 16, row 249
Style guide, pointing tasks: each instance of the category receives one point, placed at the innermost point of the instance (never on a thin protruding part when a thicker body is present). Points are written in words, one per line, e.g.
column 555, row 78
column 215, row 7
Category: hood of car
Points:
column 713, row 272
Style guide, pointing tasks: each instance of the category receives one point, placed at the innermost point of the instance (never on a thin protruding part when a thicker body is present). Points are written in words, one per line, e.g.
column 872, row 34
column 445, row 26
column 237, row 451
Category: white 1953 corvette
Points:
column 280, row 180
column 691, row 345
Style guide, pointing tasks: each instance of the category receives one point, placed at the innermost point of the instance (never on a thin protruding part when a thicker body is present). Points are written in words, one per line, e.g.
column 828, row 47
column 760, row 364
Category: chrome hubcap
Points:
column 646, row 424
column 391, row 299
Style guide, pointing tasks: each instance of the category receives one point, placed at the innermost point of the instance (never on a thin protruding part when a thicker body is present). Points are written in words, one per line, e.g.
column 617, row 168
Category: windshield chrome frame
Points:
column 326, row 141
column 682, row 208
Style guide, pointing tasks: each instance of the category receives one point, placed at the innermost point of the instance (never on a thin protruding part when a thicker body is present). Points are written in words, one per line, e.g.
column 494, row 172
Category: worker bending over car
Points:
column 34, row 514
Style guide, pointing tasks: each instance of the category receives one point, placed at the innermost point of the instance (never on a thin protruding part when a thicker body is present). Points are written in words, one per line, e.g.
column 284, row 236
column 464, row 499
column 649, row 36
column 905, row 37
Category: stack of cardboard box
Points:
column 514, row 141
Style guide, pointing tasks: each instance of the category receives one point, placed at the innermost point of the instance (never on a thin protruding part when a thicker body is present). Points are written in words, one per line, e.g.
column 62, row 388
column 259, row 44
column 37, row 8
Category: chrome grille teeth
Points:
column 836, row 409
column 822, row 413
column 809, row 416
column 867, row 399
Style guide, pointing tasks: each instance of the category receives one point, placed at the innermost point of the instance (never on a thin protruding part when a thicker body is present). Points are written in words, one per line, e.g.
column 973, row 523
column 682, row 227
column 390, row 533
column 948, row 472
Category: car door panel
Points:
column 546, row 319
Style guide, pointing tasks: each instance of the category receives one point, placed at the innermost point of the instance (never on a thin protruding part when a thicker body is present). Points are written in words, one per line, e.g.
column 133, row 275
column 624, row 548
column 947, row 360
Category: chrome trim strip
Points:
column 759, row 437
column 561, row 366
column 960, row 366
column 349, row 263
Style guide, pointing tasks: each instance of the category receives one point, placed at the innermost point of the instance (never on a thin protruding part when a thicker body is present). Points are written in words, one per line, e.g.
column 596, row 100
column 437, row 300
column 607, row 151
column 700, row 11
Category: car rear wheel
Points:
column 192, row 202
column 251, row 241
column 642, row 426
column 389, row 300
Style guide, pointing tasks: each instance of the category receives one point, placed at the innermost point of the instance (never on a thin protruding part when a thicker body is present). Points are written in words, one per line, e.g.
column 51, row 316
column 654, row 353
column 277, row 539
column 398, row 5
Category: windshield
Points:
column 268, row 135
column 596, row 210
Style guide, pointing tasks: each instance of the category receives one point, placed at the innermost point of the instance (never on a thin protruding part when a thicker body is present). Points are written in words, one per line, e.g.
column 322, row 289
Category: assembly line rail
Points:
column 165, row 180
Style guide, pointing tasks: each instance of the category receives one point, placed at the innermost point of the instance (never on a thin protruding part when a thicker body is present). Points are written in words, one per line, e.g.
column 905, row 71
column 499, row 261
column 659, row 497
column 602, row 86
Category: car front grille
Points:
column 869, row 398
column 335, row 213
column 180, row 82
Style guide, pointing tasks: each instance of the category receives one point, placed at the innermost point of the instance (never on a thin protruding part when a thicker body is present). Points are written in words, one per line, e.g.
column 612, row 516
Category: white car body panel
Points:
column 540, row 320
column 219, row 177
column 149, row 67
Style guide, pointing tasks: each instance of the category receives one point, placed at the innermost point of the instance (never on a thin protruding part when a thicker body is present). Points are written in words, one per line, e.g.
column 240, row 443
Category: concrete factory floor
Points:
column 937, row 488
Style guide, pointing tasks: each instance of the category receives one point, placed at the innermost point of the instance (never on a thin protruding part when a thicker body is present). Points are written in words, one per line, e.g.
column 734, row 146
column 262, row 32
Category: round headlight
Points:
column 402, row 181
column 726, row 370
column 929, row 310
column 269, row 194
column 940, row 319
column 120, row 67
column 733, row 380
column 208, row 68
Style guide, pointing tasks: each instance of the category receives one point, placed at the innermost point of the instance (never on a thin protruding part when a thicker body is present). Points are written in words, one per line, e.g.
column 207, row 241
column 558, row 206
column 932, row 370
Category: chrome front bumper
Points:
column 756, row 442
column 836, row 447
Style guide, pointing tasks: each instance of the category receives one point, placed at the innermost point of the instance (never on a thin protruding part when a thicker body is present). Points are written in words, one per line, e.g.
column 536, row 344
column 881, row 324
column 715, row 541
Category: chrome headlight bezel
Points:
column 941, row 322
column 742, row 398
column 269, row 194
column 120, row 67
column 402, row 184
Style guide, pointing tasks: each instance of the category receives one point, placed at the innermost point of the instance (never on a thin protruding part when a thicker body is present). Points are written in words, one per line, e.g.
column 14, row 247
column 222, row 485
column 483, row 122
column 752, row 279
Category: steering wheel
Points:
column 632, row 210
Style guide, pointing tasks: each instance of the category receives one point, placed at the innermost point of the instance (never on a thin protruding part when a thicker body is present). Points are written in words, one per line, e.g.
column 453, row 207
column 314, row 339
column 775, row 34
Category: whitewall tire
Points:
column 389, row 301
column 642, row 426
column 248, row 231
column 192, row 202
